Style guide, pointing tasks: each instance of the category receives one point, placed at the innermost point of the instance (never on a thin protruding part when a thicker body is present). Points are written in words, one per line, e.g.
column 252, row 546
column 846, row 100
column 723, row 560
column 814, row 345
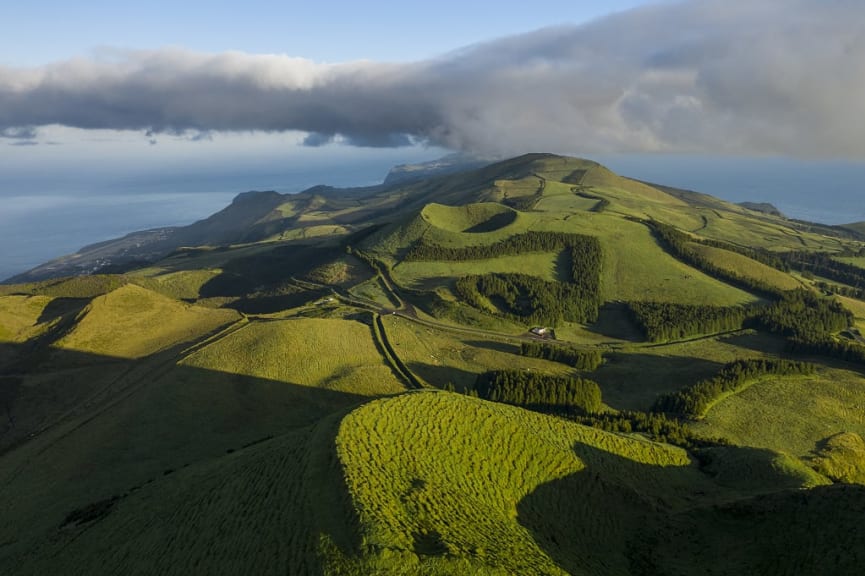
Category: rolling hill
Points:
column 388, row 380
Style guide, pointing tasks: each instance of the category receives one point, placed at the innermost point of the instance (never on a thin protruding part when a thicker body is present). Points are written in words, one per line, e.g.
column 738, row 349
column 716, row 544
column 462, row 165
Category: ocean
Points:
column 829, row 192
column 58, row 219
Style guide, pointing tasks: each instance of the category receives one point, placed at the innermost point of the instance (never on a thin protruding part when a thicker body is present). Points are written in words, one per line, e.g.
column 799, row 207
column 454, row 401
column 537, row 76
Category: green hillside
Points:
column 297, row 385
column 132, row 322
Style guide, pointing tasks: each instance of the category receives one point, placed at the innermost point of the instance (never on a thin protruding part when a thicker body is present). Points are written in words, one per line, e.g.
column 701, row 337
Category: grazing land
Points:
column 533, row 367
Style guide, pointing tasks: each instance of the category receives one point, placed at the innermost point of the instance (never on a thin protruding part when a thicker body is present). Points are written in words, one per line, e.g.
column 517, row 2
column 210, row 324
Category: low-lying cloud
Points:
column 713, row 76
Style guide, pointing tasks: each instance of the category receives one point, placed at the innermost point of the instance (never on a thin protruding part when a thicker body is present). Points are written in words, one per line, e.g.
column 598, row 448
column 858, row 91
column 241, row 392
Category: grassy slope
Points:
column 439, row 357
column 182, row 285
column 326, row 353
column 746, row 267
column 133, row 322
column 637, row 268
column 633, row 376
column 256, row 511
column 471, row 218
column 842, row 458
column 448, row 484
column 156, row 418
column 791, row 414
column 440, row 474
column 426, row 275
column 434, row 483
column 20, row 315
column 857, row 307
column 855, row 261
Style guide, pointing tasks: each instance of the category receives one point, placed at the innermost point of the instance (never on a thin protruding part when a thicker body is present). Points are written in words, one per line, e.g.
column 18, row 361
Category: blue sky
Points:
column 43, row 31
column 107, row 86
column 59, row 32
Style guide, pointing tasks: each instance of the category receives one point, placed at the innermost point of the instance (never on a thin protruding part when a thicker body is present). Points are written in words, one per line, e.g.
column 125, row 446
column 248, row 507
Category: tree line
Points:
column 539, row 391
column 815, row 263
column 848, row 291
column 528, row 299
column 656, row 425
column 677, row 243
column 662, row 321
column 841, row 349
column 532, row 241
column 693, row 401
column 823, row 264
column 802, row 314
column 803, row 317
column 795, row 314
column 580, row 359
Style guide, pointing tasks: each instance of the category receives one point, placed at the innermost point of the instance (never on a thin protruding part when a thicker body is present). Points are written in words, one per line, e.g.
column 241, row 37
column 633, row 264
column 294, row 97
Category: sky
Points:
column 122, row 96
column 59, row 116
column 754, row 78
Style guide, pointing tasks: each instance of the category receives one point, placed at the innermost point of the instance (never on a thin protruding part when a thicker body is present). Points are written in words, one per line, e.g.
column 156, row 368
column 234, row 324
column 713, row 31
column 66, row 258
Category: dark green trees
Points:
column 539, row 391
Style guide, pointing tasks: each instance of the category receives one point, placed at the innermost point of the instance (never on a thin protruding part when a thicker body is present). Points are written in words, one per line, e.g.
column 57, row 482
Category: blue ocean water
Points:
column 829, row 192
column 58, row 219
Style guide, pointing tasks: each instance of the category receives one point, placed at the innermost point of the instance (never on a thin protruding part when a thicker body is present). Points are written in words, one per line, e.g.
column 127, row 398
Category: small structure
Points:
column 540, row 331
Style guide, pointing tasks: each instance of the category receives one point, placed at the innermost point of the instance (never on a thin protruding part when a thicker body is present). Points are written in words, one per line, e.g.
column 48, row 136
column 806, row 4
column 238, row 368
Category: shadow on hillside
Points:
column 269, row 270
column 614, row 321
column 440, row 376
column 494, row 222
column 563, row 265
column 56, row 385
column 85, row 430
column 59, row 307
column 633, row 381
column 618, row 516
column 758, row 342
column 495, row 346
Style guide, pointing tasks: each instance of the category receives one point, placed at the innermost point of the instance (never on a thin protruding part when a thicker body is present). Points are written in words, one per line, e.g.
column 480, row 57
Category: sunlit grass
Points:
column 132, row 322
column 319, row 352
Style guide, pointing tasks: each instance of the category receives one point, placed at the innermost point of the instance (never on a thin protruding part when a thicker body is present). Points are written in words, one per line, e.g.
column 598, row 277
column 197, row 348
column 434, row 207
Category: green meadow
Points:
column 299, row 396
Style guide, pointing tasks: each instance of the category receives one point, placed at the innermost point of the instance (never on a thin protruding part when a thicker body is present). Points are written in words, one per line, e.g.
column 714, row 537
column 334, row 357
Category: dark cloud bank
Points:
column 732, row 76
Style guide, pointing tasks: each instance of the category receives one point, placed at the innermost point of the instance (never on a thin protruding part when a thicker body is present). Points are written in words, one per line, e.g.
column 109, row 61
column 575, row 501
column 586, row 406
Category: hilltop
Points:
column 534, row 366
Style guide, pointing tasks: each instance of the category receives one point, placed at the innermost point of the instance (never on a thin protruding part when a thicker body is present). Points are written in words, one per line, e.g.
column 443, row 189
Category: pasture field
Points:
column 746, row 267
column 442, row 481
column 132, row 322
column 375, row 291
column 325, row 353
column 635, row 267
column 20, row 317
column 180, row 285
column 428, row 275
column 440, row 357
column 561, row 203
column 857, row 307
column 312, row 231
column 791, row 414
column 853, row 260
column 441, row 475
column 471, row 218
column 634, row 375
